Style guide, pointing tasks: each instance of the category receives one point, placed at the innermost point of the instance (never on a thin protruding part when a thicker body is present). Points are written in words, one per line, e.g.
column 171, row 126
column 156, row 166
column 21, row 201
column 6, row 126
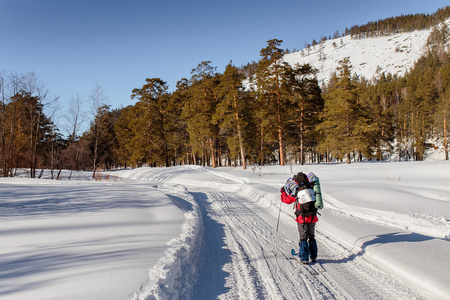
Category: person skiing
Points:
column 299, row 190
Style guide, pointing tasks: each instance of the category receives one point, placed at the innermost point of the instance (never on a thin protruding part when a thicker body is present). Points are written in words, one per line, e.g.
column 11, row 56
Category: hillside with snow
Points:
column 370, row 57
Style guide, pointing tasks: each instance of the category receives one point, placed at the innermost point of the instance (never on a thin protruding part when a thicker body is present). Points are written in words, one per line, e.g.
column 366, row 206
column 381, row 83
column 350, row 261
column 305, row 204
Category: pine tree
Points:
column 306, row 103
column 419, row 102
column 442, row 112
column 154, row 98
column 199, row 109
column 231, row 109
column 178, row 137
column 131, row 129
column 269, row 78
column 377, row 101
column 29, row 127
column 344, row 126
column 442, row 117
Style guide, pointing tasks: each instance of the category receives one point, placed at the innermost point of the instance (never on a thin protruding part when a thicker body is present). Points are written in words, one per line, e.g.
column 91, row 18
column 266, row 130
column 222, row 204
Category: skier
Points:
column 306, row 217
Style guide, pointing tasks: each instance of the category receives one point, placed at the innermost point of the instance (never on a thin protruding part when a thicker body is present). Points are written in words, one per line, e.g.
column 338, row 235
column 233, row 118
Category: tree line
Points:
column 214, row 119
column 403, row 23
column 279, row 115
column 389, row 26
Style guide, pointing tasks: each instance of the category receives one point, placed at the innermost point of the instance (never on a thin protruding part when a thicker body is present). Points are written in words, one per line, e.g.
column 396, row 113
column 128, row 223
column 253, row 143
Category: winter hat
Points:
column 300, row 178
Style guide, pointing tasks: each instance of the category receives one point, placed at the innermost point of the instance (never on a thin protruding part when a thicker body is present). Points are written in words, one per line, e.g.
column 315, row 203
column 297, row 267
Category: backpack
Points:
column 295, row 184
column 291, row 187
column 305, row 198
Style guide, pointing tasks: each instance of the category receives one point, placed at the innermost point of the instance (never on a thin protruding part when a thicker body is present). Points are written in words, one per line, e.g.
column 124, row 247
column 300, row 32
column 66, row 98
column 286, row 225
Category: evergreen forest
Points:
column 266, row 112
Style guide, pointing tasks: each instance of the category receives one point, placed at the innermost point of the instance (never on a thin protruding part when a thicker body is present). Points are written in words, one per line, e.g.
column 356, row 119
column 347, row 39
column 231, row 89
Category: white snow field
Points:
column 193, row 232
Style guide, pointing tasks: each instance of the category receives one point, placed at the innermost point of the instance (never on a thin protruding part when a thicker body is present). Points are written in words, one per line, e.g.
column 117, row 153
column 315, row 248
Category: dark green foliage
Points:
column 101, row 138
column 154, row 124
column 231, row 111
column 198, row 112
column 388, row 26
column 404, row 23
column 272, row 104
column 345, row 125
column 306, row 103
column 25, row 129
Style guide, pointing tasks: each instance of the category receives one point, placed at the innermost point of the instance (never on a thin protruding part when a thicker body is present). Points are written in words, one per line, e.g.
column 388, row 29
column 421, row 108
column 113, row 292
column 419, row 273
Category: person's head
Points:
column 300, row 178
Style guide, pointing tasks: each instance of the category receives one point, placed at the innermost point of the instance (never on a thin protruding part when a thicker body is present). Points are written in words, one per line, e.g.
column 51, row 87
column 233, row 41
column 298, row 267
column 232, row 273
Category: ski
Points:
column 314, row 268
column 318, row 266
column 307, row 266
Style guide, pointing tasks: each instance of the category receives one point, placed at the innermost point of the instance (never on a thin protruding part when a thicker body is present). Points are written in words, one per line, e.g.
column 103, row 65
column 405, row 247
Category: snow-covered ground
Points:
column 79, row 239
column 199, row 233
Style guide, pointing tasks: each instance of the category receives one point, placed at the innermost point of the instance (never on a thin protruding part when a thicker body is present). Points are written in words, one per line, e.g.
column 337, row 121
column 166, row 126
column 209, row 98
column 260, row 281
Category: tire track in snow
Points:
column 241, row 279
column 347, row 276
column 210, row 279
column 248, row 230
column 238, row 245
column 353, row 277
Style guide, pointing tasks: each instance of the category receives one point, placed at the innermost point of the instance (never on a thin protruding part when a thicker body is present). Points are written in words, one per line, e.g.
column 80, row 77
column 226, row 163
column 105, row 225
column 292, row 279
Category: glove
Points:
column 282, row 190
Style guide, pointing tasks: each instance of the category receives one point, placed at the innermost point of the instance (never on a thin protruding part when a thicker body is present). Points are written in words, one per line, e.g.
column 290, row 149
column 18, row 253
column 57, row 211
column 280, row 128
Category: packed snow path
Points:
column 239, row 254
column 253, row 271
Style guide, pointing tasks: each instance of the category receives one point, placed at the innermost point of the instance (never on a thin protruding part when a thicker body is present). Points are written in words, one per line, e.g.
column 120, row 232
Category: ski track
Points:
column 239, row 259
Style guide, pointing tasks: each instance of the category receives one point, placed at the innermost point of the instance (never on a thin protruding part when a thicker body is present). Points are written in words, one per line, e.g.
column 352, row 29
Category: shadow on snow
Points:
column 394, row 237
column 18, row 201
column 211, row 277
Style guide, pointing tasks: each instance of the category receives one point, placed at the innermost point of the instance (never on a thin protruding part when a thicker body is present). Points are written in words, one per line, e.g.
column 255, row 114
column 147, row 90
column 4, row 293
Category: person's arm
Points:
column 285, row 198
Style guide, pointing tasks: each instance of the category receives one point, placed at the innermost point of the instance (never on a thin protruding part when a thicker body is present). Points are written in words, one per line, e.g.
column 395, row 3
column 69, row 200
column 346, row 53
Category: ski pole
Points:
column 276, row 231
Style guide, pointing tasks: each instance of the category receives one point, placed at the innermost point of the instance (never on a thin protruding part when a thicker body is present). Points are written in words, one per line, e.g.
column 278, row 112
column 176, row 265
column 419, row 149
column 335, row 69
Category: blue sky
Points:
column 74, row 45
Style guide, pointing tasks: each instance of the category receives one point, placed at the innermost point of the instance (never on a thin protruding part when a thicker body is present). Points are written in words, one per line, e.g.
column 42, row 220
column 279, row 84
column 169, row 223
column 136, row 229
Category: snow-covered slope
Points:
column 370, row 57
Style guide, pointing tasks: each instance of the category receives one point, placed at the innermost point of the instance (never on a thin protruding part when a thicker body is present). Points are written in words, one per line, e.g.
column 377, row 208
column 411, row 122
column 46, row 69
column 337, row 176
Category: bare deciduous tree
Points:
column 98, row 100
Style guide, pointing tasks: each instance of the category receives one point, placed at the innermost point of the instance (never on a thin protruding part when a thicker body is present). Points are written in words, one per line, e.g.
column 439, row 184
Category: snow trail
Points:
column 236, row 250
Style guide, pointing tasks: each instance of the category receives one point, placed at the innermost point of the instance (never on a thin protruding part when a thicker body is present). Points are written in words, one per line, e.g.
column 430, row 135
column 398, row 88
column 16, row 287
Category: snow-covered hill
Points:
column 370, row 57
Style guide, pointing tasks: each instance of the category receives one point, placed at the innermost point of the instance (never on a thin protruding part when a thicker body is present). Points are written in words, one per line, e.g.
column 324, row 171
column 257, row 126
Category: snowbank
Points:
column 80, row 239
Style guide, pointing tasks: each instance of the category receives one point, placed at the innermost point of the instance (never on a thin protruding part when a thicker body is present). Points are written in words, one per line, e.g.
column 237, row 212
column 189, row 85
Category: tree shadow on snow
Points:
column 211, row 277
column 54, row 200
column 394, row 237
column 47, row 266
